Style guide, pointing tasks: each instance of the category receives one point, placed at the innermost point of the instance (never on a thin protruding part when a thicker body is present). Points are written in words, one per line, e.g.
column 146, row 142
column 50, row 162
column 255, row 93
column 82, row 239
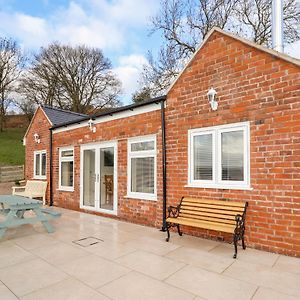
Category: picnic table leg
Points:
column 2, row 231
column 20, row 213
column 7, row 221
column 43, row 219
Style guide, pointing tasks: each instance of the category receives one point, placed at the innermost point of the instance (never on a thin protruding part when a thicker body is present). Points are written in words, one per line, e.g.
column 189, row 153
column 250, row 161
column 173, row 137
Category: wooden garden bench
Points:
column 32, row 189
column 218, row 215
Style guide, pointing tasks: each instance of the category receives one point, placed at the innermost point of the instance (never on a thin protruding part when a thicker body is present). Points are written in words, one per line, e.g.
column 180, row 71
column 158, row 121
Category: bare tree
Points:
column 27, row 107
column 11, row 63
column 255, row 17
column 185, row 23
column 39, row 86
column 75, row 78
column 141, row 95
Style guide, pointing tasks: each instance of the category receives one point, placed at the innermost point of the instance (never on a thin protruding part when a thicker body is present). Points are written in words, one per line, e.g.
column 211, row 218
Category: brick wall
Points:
column 133, row 210
column 39, row 125
column 264, row 90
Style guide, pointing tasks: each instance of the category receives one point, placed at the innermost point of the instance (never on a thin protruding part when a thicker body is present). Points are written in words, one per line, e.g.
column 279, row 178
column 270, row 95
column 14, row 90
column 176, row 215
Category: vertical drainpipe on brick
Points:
column 50, row 167
column 164, row 164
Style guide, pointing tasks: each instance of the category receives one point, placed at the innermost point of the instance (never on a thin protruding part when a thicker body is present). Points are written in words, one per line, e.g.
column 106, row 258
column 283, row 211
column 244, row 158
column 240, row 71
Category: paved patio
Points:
column 131, row 262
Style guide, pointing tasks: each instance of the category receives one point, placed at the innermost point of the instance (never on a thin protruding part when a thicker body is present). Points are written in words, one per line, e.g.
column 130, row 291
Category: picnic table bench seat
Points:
column 50, row 212
column 218, row 215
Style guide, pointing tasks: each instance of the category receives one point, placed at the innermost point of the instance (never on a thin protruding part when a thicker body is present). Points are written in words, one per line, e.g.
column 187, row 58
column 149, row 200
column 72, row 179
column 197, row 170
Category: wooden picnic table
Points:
column 13, row 208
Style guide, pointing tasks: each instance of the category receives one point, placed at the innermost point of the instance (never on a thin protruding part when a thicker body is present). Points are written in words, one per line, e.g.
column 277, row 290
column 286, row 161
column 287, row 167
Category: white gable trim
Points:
column 280, row 55
column 46, row 116
column 25, row 135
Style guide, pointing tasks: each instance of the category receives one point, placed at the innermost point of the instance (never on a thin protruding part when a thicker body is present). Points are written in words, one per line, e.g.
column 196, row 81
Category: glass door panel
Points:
column 89, row 177
column 107, row 178
column 98, row 177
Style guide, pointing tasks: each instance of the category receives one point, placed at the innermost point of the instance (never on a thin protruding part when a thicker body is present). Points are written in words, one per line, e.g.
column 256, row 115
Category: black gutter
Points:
column 164, row 165
column 112, row 111
column 50, row 173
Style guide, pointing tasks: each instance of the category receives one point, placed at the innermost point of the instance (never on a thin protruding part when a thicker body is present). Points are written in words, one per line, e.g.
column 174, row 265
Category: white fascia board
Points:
column 115, row 116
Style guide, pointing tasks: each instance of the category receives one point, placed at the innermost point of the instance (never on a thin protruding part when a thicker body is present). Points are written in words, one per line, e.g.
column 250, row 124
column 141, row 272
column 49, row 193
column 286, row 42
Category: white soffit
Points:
column 113, row 117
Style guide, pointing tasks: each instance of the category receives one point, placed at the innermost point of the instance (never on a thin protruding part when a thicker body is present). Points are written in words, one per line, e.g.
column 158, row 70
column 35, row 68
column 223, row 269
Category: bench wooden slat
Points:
column 202, row 224
column 207, row 218
column 215, row 202
column 211, row 210
column 200, row 213
column 232, row 208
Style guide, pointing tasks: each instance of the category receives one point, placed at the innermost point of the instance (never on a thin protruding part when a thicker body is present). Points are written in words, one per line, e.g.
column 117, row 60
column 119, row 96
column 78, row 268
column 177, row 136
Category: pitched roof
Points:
column 113, row 111
column 59, row 116
column 280, row 55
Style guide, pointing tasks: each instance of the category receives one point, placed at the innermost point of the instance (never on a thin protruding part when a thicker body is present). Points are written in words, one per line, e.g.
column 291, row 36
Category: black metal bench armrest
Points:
column 173, row 211
column 240, row 223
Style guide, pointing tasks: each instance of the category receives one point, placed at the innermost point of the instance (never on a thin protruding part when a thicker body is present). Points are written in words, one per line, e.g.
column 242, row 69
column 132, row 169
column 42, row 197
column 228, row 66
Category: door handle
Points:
column 98, row 177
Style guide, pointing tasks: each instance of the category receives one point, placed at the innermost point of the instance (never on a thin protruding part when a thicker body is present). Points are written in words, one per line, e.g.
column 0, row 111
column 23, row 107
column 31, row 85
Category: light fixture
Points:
column 211, row 94
column 37, row 138
column 92, row 126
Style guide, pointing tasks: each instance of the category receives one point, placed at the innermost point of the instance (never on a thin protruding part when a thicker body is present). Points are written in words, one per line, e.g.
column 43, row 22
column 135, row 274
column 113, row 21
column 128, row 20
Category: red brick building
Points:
column 247, row 148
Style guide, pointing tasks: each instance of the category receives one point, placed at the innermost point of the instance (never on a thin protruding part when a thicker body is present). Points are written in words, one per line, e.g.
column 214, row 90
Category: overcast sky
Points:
column 119, row 27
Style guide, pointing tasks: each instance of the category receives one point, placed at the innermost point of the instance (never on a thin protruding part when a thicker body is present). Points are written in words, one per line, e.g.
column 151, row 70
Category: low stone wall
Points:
column 11, row 173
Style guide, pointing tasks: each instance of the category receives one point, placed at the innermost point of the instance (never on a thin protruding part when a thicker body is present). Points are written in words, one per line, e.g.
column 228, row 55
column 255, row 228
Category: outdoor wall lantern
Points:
column 92, row 126
column 212, row 94
column 37, row 138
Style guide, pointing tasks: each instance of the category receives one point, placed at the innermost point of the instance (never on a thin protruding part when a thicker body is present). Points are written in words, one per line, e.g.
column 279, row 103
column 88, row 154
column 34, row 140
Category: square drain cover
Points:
column 88, row 241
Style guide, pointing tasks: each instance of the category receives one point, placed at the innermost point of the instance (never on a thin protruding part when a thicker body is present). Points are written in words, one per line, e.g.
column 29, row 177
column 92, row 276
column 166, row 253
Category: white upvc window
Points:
column 39, row 164
column 141, row 168
column 66, row 169
column 219, row 157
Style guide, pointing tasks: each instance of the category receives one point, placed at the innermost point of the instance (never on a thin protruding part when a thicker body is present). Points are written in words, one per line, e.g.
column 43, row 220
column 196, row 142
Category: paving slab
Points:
column 135, row 262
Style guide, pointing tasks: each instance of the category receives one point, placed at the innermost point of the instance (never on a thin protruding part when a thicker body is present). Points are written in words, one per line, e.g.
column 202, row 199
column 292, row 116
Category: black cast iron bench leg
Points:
column 178, row 229
column 243, row 243
column 168, row 232
column 235, row 241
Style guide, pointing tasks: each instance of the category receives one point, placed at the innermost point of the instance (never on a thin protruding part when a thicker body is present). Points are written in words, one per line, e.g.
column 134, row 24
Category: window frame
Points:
column 66, row 159
column 141, row 154
column 217, row 181
column 40, row 176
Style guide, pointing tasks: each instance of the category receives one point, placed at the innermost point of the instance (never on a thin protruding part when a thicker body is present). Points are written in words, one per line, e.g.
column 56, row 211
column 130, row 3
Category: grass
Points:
column 12, row 151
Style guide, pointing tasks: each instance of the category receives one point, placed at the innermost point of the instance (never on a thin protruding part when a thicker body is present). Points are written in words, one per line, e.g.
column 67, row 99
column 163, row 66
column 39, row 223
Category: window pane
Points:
column 142, row 175
column 67, row 173
column 203, row 159
column 67, row 153
column 233, row 155
column 43, row 164
column 89, row 177
column 37, row 164
column 142, row 146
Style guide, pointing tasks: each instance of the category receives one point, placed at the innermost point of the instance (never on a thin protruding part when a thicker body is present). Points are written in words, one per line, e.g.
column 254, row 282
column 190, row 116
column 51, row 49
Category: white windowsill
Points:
column 220, row 186
column 142, row 197
column 40, row 177
column 66, row 189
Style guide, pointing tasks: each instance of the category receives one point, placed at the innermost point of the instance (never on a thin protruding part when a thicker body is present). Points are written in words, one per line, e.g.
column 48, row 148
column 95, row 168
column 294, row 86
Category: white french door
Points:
column 98, row 177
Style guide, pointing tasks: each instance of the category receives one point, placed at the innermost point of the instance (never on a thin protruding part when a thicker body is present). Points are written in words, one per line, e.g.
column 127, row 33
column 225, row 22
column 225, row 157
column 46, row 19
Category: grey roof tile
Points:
column 59, row 116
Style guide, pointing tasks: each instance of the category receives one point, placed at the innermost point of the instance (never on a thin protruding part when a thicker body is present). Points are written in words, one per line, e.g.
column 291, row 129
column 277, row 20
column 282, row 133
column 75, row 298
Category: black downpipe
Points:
column 164, row 165
column 50, row 173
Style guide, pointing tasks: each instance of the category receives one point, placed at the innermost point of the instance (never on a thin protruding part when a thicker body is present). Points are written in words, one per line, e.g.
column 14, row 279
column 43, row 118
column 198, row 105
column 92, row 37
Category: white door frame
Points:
column 97, row 147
